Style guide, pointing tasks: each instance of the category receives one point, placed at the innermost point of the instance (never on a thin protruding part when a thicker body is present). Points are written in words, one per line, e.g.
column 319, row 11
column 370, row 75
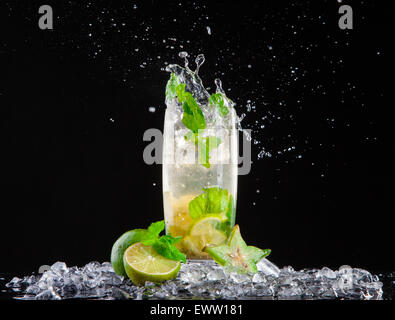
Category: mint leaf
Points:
column 213, row 200
column 192, row 137
column 205, row 145
column 180, row 92
column 198, row 206
column 152, row 233
column 218, row 199
column 171, row 86
column 217, row 100
column 156, row 228
column 193, row 117
column 165, row 246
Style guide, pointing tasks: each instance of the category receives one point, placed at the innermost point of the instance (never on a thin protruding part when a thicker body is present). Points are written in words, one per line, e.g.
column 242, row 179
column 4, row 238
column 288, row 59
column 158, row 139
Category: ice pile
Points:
column 200, row 279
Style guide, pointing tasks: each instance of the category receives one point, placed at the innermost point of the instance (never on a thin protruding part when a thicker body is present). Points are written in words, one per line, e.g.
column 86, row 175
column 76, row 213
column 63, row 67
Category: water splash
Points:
column 194, row 84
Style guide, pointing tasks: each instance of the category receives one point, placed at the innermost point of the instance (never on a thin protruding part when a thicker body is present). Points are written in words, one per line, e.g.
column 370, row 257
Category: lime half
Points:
column 142, row 263
column 119, row 247
column 203, row 232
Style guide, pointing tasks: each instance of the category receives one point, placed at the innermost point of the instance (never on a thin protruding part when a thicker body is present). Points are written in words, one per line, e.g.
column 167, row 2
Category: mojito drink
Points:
column 200, row 153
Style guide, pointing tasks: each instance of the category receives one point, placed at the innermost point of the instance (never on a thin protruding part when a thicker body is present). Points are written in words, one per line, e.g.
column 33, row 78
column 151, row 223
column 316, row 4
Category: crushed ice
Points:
column 200, row 279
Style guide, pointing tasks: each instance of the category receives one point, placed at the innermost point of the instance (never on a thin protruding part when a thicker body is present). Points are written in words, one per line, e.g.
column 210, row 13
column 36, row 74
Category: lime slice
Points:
column 142, row 263
column 119, row 247
column 203, row 232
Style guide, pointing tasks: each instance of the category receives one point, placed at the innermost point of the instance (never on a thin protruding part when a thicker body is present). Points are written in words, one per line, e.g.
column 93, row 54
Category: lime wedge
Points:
column 142, row 263
column 204, row 232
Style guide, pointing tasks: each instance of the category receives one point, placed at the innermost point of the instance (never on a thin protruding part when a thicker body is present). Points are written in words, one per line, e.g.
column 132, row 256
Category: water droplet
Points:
column 199, row 61
column 184, row 55
column 218, row 85
column 247, row 135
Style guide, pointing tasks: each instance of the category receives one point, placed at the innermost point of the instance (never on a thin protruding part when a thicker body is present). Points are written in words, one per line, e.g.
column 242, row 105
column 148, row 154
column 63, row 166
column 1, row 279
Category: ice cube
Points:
column 106, row 267
column 69, row 290
column 326, row 272
column 216, row 274
column 289, row 292
column 14, row 283
column 345, row 281
column 360, row 275
column 59, row 268
column 259, row 278
column 48, row 294
column 239, row 278
column 267, row 267
column 119, row 294
column 191, row 276
column 33, row 290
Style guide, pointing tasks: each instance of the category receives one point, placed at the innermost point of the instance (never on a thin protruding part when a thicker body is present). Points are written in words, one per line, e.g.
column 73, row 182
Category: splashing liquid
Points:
column 194, row 84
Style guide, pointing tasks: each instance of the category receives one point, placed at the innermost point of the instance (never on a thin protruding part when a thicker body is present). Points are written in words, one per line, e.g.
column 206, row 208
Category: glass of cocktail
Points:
column 200, row 153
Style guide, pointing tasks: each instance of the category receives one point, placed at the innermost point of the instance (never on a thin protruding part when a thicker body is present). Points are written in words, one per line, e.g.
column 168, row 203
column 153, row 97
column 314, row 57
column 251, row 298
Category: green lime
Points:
column 142, row 263
column 203, row 232
column 119, row 247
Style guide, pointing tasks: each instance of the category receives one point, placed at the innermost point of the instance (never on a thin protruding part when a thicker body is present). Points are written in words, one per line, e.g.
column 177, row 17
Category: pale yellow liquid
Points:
column 178, row 223
column 183, row 179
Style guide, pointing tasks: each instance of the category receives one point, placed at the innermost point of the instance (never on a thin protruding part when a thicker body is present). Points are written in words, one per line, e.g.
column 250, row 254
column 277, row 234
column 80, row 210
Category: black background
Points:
column 74, row 106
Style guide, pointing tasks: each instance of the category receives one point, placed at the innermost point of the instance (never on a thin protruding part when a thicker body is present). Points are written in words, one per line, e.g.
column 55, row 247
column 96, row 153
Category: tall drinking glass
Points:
column 200, row 182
